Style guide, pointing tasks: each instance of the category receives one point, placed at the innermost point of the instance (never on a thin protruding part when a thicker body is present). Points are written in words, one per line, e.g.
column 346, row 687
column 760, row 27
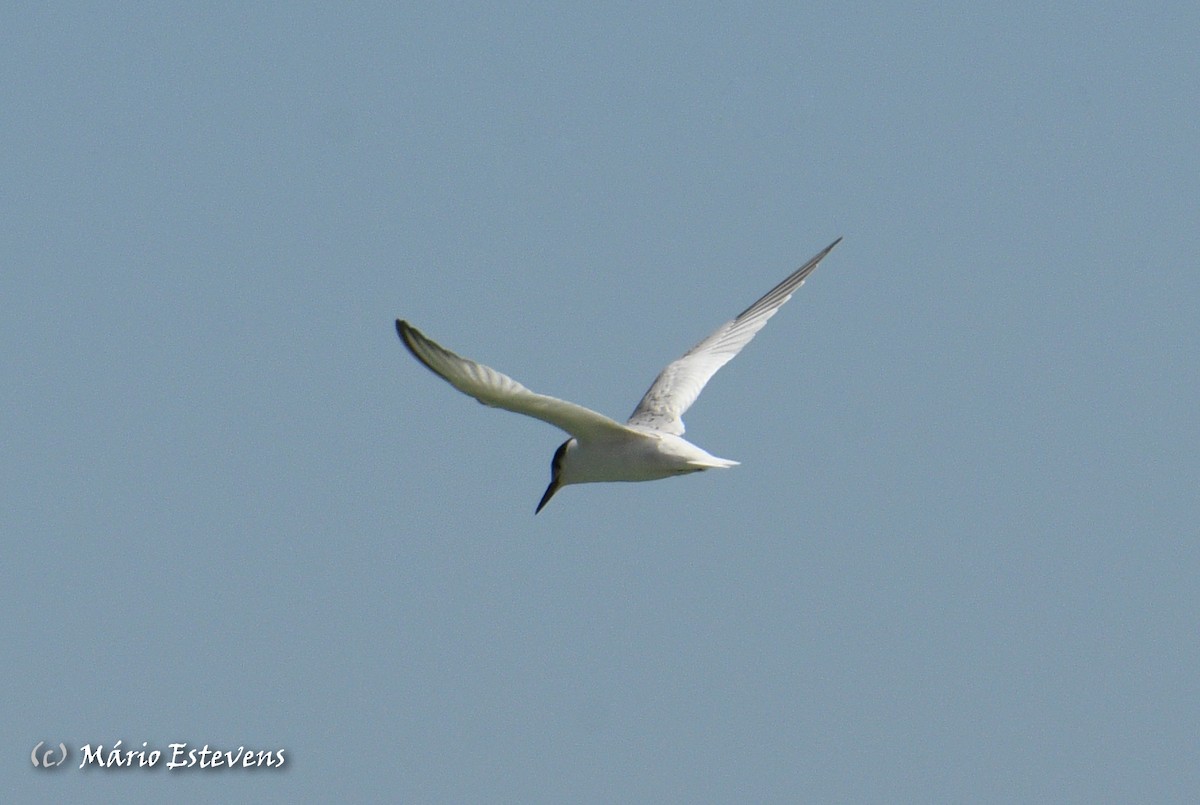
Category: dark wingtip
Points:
column 821, row 255
column 407, row 335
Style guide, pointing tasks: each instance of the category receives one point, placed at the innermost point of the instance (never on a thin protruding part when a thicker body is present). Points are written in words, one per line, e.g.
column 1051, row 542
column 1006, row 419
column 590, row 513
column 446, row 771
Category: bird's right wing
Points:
column 501, row 391
column 680, row 383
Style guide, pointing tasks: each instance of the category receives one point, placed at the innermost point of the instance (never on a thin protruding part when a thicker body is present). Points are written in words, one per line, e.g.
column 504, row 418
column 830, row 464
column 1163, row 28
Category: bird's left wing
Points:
column 501, row 391
column 678, row 385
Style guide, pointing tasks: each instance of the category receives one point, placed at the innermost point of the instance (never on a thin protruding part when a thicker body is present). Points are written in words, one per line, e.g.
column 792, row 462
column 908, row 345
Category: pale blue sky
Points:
column 959, row 561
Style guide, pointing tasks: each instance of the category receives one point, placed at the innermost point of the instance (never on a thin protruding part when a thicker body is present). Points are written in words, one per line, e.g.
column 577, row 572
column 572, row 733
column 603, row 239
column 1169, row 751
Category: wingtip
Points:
column 821, row 255
column 407, row 332
column 409, row 336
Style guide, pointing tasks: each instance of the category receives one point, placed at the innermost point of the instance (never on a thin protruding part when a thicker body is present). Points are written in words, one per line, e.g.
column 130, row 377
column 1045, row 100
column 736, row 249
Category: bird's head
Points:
column 556, row 473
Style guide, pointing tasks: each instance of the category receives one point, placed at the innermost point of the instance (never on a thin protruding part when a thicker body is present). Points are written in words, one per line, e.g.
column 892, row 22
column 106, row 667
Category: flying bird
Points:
column 649, row 445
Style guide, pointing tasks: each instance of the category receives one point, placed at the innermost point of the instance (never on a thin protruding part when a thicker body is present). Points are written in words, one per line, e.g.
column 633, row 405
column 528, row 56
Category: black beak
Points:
column 550, row 490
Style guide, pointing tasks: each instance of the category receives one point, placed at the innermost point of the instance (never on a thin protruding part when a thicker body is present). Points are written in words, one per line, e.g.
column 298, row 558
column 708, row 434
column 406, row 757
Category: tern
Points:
column 649, row 445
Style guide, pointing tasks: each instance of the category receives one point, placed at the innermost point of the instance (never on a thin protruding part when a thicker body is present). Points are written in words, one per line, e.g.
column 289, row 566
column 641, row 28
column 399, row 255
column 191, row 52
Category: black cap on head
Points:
column 555, row 469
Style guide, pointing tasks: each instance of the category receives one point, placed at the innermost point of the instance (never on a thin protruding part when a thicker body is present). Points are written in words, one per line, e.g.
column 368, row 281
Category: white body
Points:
column 647, row 447
column 643, row 455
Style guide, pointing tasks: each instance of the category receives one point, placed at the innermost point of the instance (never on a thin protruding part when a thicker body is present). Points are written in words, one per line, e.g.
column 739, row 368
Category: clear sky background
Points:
column 959, row 561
